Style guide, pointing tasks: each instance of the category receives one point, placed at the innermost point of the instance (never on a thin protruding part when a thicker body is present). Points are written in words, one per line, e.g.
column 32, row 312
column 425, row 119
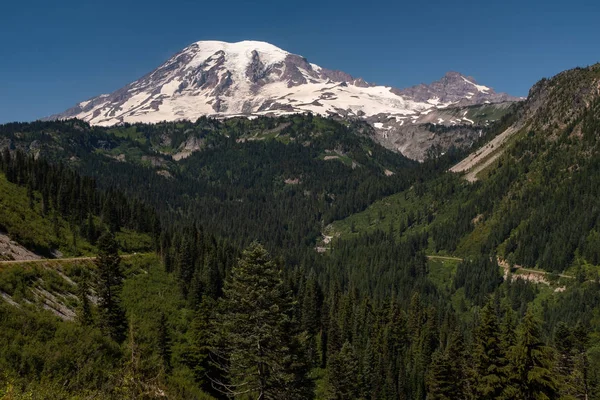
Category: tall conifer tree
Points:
column 109, row 283
column 256, row 342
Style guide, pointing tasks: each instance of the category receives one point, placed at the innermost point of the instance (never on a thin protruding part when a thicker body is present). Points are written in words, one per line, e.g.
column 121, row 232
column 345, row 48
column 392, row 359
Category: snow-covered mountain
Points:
column 256, row 78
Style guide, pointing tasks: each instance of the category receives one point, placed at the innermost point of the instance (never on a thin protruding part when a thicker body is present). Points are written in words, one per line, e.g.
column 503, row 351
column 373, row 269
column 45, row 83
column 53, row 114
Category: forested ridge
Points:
column 238, row 302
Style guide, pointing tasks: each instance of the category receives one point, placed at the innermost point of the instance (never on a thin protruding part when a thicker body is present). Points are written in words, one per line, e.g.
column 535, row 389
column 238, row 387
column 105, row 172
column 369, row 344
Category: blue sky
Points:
column 55, row 54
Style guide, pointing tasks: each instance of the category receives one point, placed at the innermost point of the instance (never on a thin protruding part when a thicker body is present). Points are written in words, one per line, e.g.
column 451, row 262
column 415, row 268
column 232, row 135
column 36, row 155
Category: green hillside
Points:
column 535, row 206
column 50, row 234
column 291, row 264
column 25, row 223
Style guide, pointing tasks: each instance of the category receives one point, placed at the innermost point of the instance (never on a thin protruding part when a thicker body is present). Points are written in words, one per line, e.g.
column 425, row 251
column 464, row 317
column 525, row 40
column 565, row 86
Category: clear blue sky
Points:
column 54, row 54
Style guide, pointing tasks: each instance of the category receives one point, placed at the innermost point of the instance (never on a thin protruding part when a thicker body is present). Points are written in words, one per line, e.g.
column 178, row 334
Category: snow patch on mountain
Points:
column 252, row 78
column 481, row 88
column 220, row 79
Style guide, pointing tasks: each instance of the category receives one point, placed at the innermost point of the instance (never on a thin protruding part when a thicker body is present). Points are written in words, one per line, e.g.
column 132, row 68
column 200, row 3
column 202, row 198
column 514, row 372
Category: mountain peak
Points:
column 242, row 45
column 457, row 89
column 241, row 51
column 453, row 75
column 221, row 79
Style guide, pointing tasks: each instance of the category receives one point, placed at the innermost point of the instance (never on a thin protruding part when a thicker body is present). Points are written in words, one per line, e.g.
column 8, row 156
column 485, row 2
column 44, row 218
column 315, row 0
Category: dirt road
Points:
column 444, row 258
column 59, row 260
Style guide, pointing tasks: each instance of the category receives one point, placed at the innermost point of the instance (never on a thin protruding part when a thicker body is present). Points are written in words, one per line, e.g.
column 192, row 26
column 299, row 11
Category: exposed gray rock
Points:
column 255, row 78
column 455, row 88
column 11, row 250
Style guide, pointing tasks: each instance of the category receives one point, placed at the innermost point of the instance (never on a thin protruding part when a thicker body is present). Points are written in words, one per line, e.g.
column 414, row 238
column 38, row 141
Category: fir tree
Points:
column 108, row 287
column 84, row 315
column 343, row 379
column 90, row 229
column 447, row 377
column 196, row 355
column 531, row 365
column 572, row 363
column 439, row 378
column 212, row 277
column 256, row 342
column 196, row 290
column 164, row 342
column 185, row 266
column 490, row 360
column 110, row 215
column 311, row 306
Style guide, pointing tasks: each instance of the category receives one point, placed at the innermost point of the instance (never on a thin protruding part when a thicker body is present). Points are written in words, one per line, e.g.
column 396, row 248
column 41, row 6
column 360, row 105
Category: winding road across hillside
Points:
column 59, row 260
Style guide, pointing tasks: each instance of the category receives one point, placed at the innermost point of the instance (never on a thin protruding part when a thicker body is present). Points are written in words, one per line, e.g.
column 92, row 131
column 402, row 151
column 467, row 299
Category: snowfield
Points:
column 252, row 78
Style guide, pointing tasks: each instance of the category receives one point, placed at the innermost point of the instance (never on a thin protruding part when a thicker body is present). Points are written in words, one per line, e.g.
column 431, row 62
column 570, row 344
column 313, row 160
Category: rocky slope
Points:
column 554, row 106
column 219, row 79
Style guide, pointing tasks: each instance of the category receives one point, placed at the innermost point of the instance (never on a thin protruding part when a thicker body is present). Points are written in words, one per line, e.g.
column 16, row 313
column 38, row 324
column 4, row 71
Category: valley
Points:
column 213, row 222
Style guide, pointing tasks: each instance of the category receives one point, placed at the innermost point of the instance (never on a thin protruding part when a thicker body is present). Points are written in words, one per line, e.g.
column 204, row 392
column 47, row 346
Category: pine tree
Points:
column 490, row 360
column 531, row 364
column 578, row 380
column 90, row 229
column 439, row 378
column 212, row 278
column 108, row 287
column 334, row 336
column 256, row 342
column 185, row 266
column 368, row 371
column 164, row 342
column 343, row 379
column 30, row 195
column 446, row 378
column 310, row 314
column 196, row 355
column 311, row 306
column 110, row 215
column 563, row 343
column 84, row 315
column 168, row 260
column 508, row 328
column 196, row 290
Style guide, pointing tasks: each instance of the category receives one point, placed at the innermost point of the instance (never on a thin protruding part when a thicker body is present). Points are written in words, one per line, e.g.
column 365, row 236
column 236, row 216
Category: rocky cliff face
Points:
column 250, row 78
column 455, row 89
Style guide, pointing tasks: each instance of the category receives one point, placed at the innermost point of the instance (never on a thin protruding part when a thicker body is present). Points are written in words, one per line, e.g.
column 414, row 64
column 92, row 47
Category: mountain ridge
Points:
column 251, row 78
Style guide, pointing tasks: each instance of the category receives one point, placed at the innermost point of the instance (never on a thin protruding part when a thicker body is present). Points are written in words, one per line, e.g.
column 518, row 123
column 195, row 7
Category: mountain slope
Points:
column 535, row 200
column 239, row 177
column 553, row 106
column 211, row 78
column 53, row 212
column 280, row 181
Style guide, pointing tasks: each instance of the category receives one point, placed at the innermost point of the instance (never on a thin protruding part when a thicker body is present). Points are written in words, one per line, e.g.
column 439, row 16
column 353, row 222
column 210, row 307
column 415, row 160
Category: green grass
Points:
column 472, row 242
column 393, row 210
column 40, row 338
column 132, row 154
column 43, row 234
column 441, row 271
column 30, row 228
column 491, row 112
column 18, row 280
column 129, row 133
column 149, row 290
column 590, row 271
column 269, row 134
column 132, row 242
